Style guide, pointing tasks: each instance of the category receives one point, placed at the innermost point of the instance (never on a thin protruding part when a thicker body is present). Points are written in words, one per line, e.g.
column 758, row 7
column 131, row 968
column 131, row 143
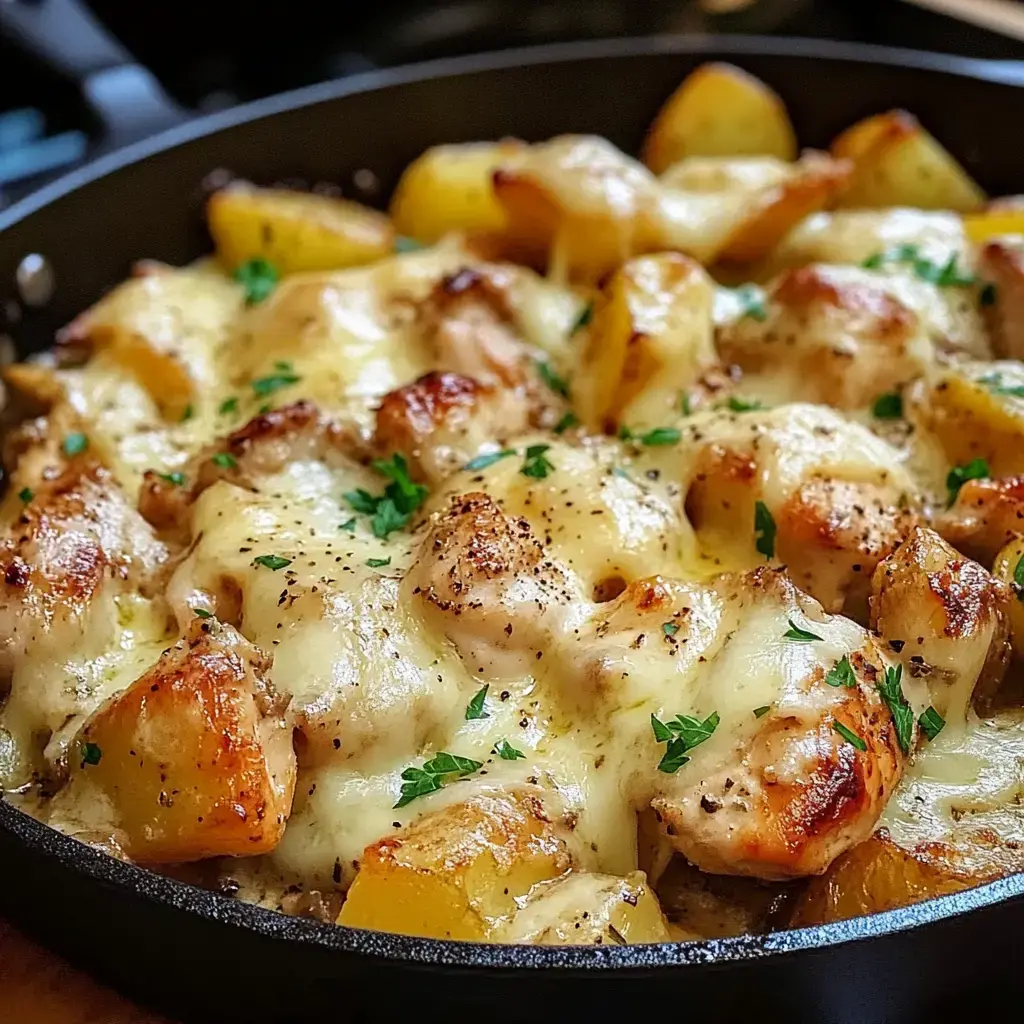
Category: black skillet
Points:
column 204, row 957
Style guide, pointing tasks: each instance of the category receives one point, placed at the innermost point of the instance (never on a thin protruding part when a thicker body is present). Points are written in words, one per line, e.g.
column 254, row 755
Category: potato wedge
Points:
column 1005, row 569
column 719, row 110
column 898, row 163
column 192, row 760
column 456, row 874
column 651, row 336
column 449, row 189
column 880, row 875
column 295, row 230
column 583, row 909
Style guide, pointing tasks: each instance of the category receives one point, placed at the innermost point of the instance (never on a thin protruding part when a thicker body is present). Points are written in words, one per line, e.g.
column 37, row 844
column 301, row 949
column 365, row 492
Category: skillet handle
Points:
column 1009, row 71
column 64, row 35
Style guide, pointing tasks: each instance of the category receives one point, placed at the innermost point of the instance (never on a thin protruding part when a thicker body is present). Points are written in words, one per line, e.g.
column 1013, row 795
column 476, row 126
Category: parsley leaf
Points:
column 976, row 469
column 752, row 299
column 566, row 422
column 742, row 405
column 91, row 753
column 1018, row 579
column 25, row 494
column 585, row 316
column 888, row 406
column 378, row 563
column 764, row 530
column 264, row 386
column 202, row 613
column 258, row 277
column 660, row 437
column 229, row 405
column 506, row 751
column 670, row 628
column 387, row 518
column 405, row 244
column 891, row 691
column 994, row 383
column 394, row 508
column 931, row 722
column 361, row 501
column 475, row 708
column 557, row 384
column 178, row 479
column 536, row 464
column 802, row 636
column 349, row 525
column 187, row 414
column 841, row 674
column 762, row 711
column 273, row 562
column 849, row 735
column 685, row 406
column 945, row 275
column 682, row 734
column 224, row 460
column 75, row 444
column 434, row 774
column 483, row 461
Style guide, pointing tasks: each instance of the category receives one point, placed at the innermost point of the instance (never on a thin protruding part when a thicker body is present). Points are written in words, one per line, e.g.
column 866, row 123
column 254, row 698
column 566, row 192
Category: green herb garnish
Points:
column 660, row 437
column 25, row 494
column 762, row 710
column 178, row 479
column 583, row 319
column 682, row 734
column 75, row 444
column 841, row 674
column 187, row 414
column 566, row 422
column 225, row 460
column 229, row 405
column 258, row 277
column 670, row 628
column 945, row 275
column 273, row 562
column 891, row 692
column 558, row 384
column 202, row 613
column 764, row 530
column 349, row 525
column 994, row 383
column 91, row 753
column 475, row 708
column 976, row 469
column 802, row 636
column 752, row 300
column 378, row 563
column 506, row 751
column 435, row 773
column 264, row 386
column 931, row 722
column 888, row 406
column 1018, row 579
column 742, row 405
column 849, row 735
column 536, row 464
column 394, row 508
column 483, row 461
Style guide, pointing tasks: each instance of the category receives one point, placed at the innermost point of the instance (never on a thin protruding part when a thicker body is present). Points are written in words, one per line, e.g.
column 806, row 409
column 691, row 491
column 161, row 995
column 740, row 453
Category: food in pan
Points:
column 587, row 551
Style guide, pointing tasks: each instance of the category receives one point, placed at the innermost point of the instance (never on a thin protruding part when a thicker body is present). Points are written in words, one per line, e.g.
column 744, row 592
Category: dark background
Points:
column 80, row 78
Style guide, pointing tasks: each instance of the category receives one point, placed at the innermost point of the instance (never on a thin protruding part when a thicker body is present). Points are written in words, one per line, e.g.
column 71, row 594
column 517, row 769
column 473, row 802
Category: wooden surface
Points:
column 37, row 987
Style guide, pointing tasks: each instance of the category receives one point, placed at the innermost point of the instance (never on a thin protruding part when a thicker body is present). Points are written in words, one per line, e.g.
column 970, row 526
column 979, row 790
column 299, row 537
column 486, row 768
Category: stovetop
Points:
column 83, row 78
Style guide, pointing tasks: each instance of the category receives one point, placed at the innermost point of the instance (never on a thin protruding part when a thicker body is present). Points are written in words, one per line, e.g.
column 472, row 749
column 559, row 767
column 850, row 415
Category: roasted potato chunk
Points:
column 449, row 188
column 1005, row 569
column 985, row 516
column 898, row 163
column 651, row 336
column 295, row 230
column 581, row 909
column 945, row 617
column 719, row 110
column 456, row 874
column 195, row 758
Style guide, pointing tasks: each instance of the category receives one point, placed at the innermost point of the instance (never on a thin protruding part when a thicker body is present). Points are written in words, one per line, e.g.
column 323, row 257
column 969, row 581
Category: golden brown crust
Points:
column 986, row 515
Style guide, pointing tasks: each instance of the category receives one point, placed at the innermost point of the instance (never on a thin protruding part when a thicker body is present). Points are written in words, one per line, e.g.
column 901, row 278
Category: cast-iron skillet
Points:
column 203, row 956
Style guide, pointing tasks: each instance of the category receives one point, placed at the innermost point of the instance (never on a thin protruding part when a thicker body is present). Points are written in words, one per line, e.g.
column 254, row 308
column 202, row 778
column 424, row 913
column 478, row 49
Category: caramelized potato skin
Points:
column 456, row 873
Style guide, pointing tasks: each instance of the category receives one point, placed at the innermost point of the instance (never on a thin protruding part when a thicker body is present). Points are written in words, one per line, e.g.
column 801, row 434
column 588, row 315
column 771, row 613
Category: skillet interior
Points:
column 194, row 952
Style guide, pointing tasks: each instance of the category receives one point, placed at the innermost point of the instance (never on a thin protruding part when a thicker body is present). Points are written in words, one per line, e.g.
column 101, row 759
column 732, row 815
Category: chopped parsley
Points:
column 802, row 636
column 670, row 628
column 75, row 444
column 203, row 613
column 660, row 437
column 405, row 244
column 475, row 708
column 762, row 710
column 483, row 461
column 891, row 691
column 378, row 563
column 558, row 384
column 394, row 508
column 229, row 405
column 91, row 753
column 945, row 275
column 931, row 722
column 187, row 414
column 536, row 464
column 178, row 479
column 995, row 385
column 433, row 775
column 1018, row 579
column 849, row 735
column 258, row 277
column 25, row 494
column 568, row 421
column 888, row 406
column 264, row 386
column 742, row 405
column 225, row 460
column 506, row 751
column 273, row 562
column 586, row 314
column 349, row 525
column 685, row 406
column 751, row 299
column 841, row 674
column 976, row 469
column 682, row 734
column 764, row 530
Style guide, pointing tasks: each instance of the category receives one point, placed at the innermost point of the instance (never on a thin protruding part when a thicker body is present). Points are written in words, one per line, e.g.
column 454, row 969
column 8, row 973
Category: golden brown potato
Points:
column 295, row 230
column 898, row 163
column 879, row 875
column 1005, row 569
column 719, row 110
column 651, row 336
column 194, row 759
column 945, row 617
column 985, row 516
column 582, row 909
column 456, row 873
column 449, row 189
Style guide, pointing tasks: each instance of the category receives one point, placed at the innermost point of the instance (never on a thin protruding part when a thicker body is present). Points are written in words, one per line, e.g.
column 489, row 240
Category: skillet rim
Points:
column 78, row 858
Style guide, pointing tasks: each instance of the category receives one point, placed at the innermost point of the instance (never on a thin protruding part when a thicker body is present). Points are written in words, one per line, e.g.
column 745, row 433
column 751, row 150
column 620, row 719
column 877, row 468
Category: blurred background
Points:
column 81, row 78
